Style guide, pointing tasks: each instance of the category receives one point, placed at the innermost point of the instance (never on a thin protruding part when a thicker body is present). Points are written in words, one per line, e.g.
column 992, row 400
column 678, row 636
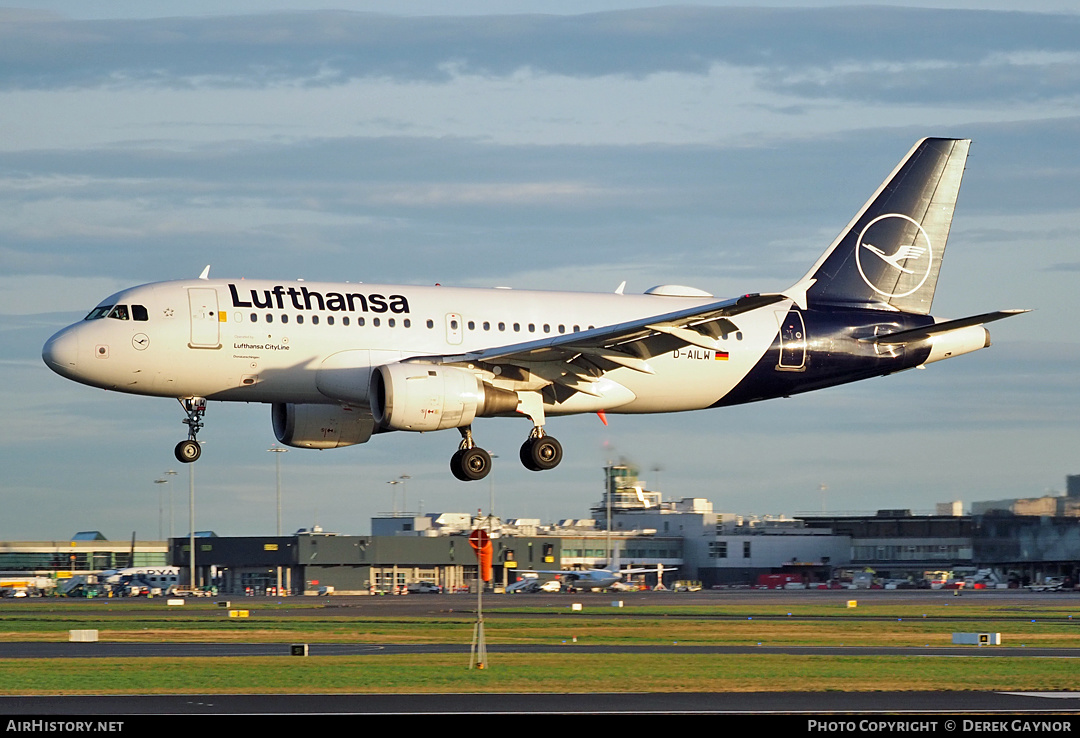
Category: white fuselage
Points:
column 261, row 341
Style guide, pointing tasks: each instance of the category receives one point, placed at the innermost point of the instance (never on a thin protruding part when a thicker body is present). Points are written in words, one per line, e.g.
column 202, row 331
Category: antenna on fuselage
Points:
column 205, row 273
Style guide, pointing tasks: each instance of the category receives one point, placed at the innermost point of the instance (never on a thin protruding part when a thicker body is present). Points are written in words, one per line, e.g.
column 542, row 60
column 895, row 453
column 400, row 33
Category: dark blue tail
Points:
column 889, row 255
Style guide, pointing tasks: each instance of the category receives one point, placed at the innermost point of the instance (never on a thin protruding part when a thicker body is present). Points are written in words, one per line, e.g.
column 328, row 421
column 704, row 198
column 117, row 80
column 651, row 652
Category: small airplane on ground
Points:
column 339, row 362
column 596, row 578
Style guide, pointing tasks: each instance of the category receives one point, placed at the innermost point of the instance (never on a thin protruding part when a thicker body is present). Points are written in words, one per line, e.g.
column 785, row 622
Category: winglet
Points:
column 205, row 273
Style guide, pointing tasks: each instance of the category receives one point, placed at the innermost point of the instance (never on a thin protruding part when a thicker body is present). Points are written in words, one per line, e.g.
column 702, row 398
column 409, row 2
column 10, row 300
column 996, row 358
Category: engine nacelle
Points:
column 320, row 426
column 428, row 397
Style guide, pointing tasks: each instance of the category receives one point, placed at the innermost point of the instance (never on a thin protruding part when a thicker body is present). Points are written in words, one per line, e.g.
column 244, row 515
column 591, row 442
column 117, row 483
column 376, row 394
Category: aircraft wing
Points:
column 576, row 360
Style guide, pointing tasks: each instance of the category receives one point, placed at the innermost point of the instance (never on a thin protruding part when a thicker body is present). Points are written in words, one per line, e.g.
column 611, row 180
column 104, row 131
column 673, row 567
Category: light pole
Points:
column 170, row 473
column 278, row 451
column 191, row 533
column 160, row 506
column 491, row 488
column 393, row 498
column 405, row 493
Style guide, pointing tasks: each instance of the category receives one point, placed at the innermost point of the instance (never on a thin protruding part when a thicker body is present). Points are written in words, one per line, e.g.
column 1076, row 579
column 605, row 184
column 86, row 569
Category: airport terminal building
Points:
column 683, row 539
column 1019, row 542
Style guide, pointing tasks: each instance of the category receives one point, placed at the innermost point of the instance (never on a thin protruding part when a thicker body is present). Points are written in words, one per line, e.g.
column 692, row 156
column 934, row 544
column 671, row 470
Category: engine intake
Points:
column 428, row 397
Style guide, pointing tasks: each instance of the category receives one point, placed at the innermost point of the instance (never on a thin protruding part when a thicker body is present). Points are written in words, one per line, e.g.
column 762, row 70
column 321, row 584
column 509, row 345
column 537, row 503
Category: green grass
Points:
column 887, row 624
column 1042, row 624
column 556, row 673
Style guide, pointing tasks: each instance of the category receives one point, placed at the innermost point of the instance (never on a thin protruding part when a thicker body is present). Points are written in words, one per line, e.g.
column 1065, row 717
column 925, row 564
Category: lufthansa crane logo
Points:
column 914, row 259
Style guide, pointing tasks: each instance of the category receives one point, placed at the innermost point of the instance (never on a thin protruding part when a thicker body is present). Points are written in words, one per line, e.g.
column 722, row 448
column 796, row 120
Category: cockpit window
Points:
column 99, row 312
column 138, row 312
column 120, row 312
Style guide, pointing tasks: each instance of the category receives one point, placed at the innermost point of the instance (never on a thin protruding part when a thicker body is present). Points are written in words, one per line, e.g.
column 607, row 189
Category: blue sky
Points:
column 721, row 147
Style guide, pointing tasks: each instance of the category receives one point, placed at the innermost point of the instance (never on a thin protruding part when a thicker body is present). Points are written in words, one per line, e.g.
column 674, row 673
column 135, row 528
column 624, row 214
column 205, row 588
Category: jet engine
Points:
column 320, row 426
column 428, row 397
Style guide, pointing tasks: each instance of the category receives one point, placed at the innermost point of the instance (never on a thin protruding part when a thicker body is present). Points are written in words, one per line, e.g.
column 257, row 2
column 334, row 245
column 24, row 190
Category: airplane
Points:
column 341, row 362
column 161, row 577
column 595, row 578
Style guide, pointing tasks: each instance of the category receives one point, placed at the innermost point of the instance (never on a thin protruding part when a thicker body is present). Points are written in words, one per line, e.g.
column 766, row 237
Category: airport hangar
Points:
column 1022, row 540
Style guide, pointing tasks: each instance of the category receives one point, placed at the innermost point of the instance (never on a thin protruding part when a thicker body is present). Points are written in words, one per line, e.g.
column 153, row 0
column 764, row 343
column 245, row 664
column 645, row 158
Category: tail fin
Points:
column 889, row 255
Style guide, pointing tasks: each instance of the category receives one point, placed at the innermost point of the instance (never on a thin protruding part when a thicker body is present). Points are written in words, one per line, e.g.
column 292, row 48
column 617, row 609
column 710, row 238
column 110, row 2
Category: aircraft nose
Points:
column 61, row 352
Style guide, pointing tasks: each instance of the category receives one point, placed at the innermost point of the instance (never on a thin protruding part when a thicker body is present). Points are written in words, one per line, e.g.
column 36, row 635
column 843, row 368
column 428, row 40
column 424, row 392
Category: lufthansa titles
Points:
column 301, row 298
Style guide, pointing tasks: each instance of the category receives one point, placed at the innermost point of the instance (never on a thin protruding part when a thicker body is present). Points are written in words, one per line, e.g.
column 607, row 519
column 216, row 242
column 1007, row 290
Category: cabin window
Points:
column 314, row 319
column 345, row 320
column 532, row 328
column 487, row 326
column 407, row 323
column 375, row 322
column 517, row 327
column 329, row 319
column 299, row 319
column 254, row 317
column 360, row 322
column 547, row 328
column 502, row 326
column 472, row 325
column 391, row 322
column 430, row 323
column 269, row 318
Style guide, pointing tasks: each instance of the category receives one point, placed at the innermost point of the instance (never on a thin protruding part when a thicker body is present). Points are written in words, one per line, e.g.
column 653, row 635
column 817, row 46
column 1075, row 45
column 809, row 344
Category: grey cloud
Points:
column 474, row 209
column 861, row 53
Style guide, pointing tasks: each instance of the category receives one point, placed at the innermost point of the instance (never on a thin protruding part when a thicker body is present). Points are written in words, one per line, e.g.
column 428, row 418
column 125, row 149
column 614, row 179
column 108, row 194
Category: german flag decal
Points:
column 721, row 355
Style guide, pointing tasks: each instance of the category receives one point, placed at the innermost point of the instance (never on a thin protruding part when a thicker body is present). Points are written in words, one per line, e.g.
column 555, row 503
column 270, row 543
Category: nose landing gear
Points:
column 190, row 450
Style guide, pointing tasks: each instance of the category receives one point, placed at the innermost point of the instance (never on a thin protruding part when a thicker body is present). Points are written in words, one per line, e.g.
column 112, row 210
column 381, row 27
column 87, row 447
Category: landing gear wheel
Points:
column 525, row 454
column 187, row 451
column 456, row 467
column 541, row 454
column 470, row 464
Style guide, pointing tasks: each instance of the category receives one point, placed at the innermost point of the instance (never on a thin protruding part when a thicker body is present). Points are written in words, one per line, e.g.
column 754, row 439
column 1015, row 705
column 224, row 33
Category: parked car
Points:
column 424, row 588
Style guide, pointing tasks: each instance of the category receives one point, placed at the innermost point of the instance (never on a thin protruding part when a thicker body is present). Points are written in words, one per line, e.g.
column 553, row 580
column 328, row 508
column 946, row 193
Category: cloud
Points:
column 876, row 53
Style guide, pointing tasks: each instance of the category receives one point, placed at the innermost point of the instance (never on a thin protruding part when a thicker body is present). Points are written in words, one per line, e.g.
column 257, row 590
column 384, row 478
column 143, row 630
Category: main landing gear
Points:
column 190, row 450
column 470, row 463
column 540, row 452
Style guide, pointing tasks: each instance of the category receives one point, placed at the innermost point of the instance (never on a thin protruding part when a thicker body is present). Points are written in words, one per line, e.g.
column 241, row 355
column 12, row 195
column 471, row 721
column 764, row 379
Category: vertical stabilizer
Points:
column 888, row 257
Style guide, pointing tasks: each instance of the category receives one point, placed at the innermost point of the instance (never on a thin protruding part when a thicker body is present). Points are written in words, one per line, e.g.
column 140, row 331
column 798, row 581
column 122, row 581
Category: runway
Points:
column 817, row 704
column 1013, row 607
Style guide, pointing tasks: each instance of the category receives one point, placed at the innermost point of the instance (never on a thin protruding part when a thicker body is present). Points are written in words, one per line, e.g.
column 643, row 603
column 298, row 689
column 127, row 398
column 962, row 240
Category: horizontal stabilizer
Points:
column 915, row 335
